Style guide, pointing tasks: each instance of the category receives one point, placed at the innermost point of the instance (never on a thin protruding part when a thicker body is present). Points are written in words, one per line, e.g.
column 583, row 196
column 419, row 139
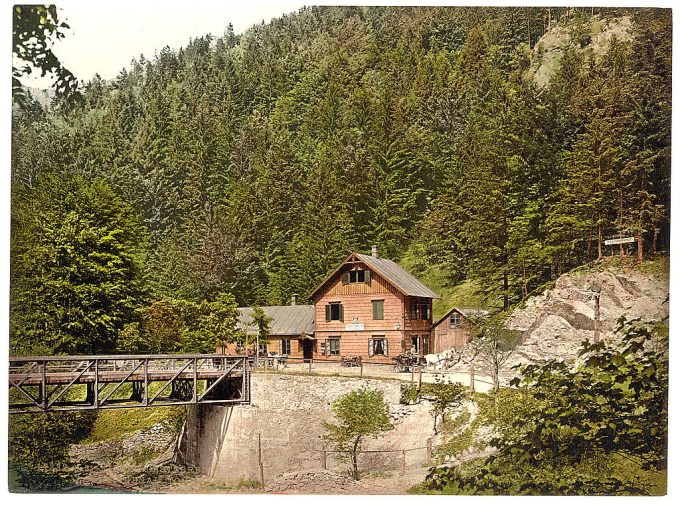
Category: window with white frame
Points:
column 454, row 319
column 377, row 346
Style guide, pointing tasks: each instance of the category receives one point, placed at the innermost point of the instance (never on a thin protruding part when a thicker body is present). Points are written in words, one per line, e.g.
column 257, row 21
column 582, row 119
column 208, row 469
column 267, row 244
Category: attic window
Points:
column 356, row 276
column 454, row 320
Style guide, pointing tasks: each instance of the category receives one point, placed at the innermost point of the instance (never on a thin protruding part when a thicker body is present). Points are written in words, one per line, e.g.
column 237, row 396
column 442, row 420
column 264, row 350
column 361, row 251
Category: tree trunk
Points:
column 596, row 324
column 506, row 298
column 528, row 26
column 599, row 241
column 656, row 235
column 355, row 460
column 621, row 222
column 640, row 256
column 549, row 19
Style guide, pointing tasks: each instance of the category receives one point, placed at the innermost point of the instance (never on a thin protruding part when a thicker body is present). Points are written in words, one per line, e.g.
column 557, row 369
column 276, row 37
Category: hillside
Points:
column 255, row 162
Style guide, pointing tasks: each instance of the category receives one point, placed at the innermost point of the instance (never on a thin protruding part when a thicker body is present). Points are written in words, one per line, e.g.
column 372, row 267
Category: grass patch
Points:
column 116, row 424
column 248, row 484
column 144, row 454
column 658, row 265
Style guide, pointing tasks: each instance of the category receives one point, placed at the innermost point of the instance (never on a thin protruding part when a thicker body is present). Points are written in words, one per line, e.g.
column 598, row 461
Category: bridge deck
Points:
column 35, row 379
column 48, row 383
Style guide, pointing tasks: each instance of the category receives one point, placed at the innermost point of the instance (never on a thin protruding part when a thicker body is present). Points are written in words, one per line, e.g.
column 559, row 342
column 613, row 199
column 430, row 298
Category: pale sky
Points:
column 105, row 36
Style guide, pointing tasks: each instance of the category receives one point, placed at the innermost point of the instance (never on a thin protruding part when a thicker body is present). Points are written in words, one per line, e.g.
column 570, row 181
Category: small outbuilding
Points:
column 455, row 328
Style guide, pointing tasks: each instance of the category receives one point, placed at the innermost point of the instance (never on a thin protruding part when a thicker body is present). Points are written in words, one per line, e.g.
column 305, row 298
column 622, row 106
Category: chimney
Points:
column 374, row 251
column 293, row 300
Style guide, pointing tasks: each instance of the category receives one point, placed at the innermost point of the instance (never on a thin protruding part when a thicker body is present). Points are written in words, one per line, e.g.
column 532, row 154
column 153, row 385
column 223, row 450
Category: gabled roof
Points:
column 465, row 312
column 402, row 280
column 294, row 320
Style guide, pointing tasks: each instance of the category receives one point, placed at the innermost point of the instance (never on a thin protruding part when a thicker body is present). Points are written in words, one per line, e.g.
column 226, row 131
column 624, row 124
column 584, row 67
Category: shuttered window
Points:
column 356, row 276
column 334, row 311
column 377, row 346
column 333, row 346
column 378, row 309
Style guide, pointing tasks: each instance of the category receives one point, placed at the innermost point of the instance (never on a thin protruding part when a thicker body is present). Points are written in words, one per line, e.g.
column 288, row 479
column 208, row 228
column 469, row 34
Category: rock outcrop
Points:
column 554, row 324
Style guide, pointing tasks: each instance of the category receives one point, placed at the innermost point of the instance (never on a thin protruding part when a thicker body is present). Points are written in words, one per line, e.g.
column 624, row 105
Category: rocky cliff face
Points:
column 554, row 324
column 589, row 36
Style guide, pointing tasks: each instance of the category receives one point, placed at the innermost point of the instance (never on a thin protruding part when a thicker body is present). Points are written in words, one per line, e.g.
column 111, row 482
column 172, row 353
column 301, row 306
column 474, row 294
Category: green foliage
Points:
column 181, row 325
column 572, row 426
column 112, row 425
column 77, row 256
column 34, row 29
column 208, row 324
column 258, row 162
column 261, row 322
column 361, row 414
column 446, row 395
column 40, row 458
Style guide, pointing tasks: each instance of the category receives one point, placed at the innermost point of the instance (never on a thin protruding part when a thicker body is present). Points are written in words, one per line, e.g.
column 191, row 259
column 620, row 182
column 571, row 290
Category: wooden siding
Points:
column 356, row 343
column 377, row 285
column 357, row 301
column 447, row 337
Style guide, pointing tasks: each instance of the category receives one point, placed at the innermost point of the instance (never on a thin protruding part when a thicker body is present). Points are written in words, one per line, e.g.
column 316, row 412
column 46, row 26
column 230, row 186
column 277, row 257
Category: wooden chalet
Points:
column 454, row 329
column 370, row 307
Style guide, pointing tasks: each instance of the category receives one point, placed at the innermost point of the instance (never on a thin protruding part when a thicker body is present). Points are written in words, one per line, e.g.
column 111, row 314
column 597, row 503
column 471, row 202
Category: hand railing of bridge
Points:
column 52, row 383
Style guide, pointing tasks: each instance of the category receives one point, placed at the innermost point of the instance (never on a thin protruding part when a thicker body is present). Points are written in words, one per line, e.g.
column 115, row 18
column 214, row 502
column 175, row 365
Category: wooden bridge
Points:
column 56, row 383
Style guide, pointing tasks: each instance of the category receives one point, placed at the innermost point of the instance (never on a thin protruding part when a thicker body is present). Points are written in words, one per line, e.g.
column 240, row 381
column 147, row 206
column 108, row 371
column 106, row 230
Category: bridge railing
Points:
column 50, row 383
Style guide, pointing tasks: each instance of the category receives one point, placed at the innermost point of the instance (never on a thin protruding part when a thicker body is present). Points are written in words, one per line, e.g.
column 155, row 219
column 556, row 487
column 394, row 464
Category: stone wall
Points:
column 286, row 416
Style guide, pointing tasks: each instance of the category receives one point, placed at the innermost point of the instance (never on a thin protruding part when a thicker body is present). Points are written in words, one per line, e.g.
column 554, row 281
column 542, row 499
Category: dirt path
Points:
column 319, row 482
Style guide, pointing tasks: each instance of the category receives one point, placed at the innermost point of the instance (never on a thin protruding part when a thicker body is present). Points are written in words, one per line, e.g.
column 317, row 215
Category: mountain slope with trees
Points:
column 255, row 162
column 240, row 169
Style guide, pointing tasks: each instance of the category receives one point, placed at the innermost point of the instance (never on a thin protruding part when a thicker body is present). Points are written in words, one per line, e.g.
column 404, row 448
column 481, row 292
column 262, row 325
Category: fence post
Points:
column 259, row 459
column 310, row 365
column 361, row 368
column 429, row 450
column 420, row 376
column 323, row 459
column 403, row 462
column 472, row 379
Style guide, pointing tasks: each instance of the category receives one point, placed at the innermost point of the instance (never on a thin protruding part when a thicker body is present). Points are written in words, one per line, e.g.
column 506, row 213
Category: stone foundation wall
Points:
column 286, row 420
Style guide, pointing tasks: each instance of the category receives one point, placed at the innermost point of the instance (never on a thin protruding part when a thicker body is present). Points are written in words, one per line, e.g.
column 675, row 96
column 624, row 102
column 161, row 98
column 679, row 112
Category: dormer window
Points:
column 356, row 276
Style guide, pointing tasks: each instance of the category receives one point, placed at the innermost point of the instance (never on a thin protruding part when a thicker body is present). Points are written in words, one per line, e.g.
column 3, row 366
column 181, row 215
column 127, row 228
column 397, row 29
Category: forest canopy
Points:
column 251, row 164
